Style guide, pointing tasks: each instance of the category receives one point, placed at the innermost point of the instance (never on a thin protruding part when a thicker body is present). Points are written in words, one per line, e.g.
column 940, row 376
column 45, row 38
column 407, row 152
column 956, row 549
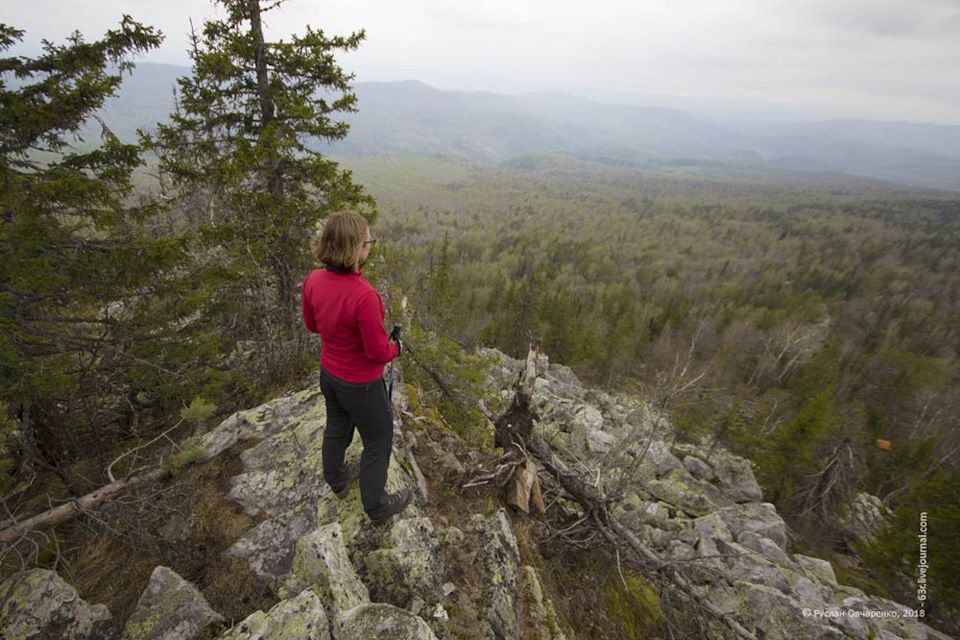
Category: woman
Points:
column 347, row 312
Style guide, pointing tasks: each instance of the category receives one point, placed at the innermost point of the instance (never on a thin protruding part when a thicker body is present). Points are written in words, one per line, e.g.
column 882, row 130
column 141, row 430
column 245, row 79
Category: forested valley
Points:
column 809, row 325
column 805, row 321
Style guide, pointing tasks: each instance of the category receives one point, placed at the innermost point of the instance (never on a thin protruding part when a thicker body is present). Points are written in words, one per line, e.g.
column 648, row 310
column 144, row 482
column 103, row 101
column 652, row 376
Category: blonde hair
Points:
column 341, row 242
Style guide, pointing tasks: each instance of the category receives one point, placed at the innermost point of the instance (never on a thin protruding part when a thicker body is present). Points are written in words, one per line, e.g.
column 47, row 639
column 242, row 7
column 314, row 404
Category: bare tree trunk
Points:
column 66, row 511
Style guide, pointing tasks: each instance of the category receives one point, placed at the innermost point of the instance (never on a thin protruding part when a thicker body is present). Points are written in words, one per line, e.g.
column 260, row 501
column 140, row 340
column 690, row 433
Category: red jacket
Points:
column 348, row 313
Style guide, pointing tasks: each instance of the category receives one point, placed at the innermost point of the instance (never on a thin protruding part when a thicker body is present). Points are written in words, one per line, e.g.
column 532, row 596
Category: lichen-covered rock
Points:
column 39, row 605
column 681, row 490
column 375, row 621
column 766, row 547
column 600, row 441
column 736, row 478
column 409, row 564
column 759, row 518
column 169, row 608
column 780, row 617
column 698, row 468
column 283, row 471
column 265, row 420
column 269, row 546
column 819, row 569
column 299, row 618
column 540, row 617
column 501, row 560
column 662, row 460
column 321, row 560
column 866, row 518
column 704, row 534
column 746, row 565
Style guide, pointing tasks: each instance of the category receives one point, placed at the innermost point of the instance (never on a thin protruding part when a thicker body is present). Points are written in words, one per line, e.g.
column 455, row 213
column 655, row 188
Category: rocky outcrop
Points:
column 701, row 505
column 338, row 577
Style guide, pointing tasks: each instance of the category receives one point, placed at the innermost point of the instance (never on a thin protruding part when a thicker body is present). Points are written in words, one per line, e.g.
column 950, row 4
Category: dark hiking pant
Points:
column 366, row 407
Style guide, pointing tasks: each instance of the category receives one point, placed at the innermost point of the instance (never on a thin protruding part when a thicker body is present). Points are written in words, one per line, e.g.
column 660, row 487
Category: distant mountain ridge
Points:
column 412, row 118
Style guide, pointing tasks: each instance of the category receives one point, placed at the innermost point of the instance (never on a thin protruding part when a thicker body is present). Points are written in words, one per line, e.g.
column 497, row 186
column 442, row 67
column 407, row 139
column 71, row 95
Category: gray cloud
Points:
column 895, row 57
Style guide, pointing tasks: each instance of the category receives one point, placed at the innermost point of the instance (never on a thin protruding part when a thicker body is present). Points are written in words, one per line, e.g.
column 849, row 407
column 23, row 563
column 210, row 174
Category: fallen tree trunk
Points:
column 515, row 427
column 66, row 511
column 94, row 499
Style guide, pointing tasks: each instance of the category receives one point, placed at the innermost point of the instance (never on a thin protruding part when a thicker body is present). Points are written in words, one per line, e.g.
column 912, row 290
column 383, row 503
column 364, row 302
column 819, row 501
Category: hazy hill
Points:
column 413, row 118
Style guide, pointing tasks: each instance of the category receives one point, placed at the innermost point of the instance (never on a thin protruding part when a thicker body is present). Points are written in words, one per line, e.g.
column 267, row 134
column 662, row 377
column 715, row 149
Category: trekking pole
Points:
column 395, row 336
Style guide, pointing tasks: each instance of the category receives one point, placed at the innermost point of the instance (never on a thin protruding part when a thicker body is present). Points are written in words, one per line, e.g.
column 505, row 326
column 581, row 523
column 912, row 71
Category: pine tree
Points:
column 78, row 266
column 240, row 148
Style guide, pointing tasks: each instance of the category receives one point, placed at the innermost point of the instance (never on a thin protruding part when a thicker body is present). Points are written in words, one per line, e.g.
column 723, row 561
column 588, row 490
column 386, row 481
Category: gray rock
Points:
column 269, row 547
column 820, row 570
column 373, row 621
column 698, row 468
column 408, row 565
column 736, row 478
column 449, row 463
column 501, row 560
column 600, row 441
column 683, row 491
column 39, row 604
column 709, row 532
column 766, row 547
column 866, row 517
column 588, row 418
column 265, row 420
column 321, row 561
column 760, row 518
column 299, row 618
column 169, row 608
column 283, row 471
column 779, row 617
column 746, row 565
column 662, row 459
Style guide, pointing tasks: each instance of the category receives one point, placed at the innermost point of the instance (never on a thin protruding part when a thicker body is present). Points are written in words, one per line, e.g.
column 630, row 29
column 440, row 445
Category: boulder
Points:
column 736, row 478
column 780, row 617
column 820, row 570
column 766, row 547
column 169, row 608
column 663, row 461
column 39, row 604
column 681, row 490
column 299, row 618
column 698, row 468
column 866, row 517
column 283, row 471
column 600, row 441
column 759, row 518
column 373, row 621
column 269, row 547
column 321, row 561
column 408, row 565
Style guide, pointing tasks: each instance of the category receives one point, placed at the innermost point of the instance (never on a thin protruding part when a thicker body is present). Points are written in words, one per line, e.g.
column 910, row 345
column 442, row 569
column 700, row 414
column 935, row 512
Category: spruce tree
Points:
column 77, row 267
column 240, row 155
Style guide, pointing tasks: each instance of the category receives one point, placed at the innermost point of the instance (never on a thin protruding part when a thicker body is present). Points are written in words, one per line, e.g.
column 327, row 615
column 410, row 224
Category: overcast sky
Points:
column 895, row 59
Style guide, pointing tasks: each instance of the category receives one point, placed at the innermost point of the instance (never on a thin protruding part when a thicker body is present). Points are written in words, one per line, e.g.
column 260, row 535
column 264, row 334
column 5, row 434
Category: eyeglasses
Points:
column 370, row 242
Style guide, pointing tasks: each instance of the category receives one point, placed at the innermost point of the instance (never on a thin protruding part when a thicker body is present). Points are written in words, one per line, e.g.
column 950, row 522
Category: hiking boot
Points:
column 392, row 504
column 353, row 472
